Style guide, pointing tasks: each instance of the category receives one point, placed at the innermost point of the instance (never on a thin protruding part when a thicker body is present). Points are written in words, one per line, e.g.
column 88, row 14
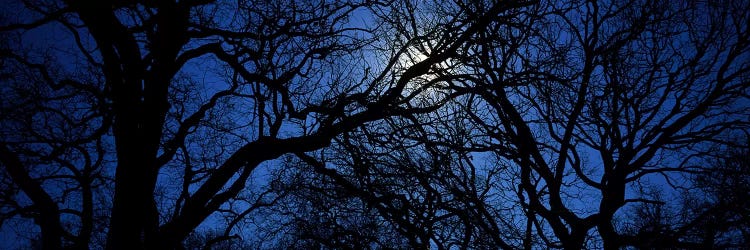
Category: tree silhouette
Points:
column 155, row 114
column 583, row 104
column 711, row 214
column 617, row 93
column 373, row 124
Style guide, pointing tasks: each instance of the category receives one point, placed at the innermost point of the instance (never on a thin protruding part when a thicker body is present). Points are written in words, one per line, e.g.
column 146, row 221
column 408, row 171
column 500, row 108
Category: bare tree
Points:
column 336, row 124
column 711, row 214
column 720, row 219
column 155, row 114
column 412, row 171
column 614, row 93
column 582, row 103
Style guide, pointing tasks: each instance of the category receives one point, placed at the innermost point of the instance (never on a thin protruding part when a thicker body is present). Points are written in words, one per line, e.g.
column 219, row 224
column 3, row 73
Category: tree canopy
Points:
column 374, row 124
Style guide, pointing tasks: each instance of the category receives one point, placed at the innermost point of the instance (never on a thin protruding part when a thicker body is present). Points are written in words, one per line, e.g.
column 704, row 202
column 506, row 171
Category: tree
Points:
column 711, row 214
column 411, row 171
column 721, row 218
column 422, row 124
column 583, row 104
column 146, row 118
column 613, row 94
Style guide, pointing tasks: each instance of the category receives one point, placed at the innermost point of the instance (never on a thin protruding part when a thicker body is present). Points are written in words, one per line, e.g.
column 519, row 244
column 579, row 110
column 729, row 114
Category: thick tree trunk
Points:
column 130, row 209
column 613, row 197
